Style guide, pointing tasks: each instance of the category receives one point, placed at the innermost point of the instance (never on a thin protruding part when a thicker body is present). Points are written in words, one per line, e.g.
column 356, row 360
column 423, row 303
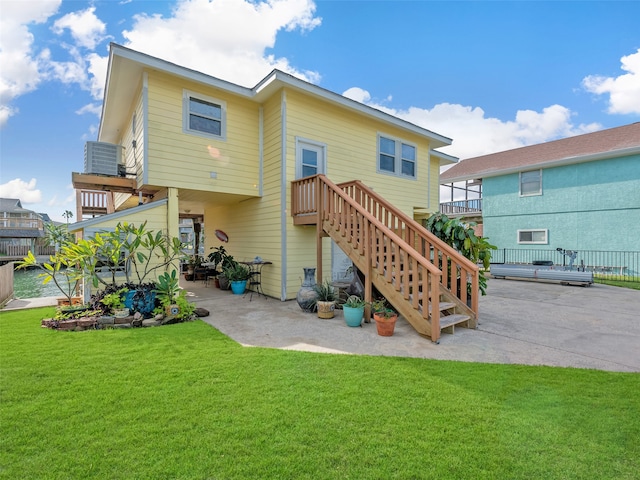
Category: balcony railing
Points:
column 460, row 207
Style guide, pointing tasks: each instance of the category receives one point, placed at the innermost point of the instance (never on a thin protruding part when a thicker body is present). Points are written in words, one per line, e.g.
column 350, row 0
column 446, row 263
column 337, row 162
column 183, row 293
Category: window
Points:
column 531, row 183
column 204, row 116
column 533, row 236
column 310, row 157
column 396, row 157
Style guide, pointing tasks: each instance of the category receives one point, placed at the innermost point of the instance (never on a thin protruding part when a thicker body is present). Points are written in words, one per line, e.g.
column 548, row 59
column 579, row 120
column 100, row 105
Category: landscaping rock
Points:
column 106, row 320
column 122, row 320
column 151, row 323
column 170, row 320
column 86, row 322
column 122, row 325
column 201, row 312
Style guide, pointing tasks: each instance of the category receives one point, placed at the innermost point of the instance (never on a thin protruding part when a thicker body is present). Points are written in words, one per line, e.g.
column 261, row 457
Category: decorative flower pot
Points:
column 353, row 315
column 307, row 296
column 326, row 309
column 238, row 286
column 385, row 325
column 121, row 312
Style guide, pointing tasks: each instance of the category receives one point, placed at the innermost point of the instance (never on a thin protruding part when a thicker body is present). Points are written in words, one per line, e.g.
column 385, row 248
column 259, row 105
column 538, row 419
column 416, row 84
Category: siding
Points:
column 185, row 160
column 351, row 141
column 253, row 225
column 133, row 159
column 587, row 206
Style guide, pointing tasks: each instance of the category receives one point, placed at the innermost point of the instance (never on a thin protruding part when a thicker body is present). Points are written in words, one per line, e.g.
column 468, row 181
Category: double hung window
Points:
column 531, row 183
column 396, row 157
column 204, row 116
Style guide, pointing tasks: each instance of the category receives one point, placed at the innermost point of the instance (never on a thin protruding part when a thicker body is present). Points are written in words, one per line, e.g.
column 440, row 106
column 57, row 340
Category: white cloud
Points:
column 86, row 29
column 624, row 90
column 21, row 66
column 224, row 38
column 26, row 192
column 475, row 134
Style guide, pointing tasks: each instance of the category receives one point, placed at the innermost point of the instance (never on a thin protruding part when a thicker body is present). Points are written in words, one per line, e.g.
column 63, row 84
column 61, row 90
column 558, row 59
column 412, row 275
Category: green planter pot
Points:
column 353, row 315
column 238, row 287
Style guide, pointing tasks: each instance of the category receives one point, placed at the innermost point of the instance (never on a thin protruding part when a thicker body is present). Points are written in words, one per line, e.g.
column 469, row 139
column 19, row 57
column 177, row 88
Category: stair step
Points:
column 449, row 321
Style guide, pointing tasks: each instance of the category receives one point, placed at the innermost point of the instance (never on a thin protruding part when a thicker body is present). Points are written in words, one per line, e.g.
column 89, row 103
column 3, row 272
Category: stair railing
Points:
column 453, row 265
column 392, row 258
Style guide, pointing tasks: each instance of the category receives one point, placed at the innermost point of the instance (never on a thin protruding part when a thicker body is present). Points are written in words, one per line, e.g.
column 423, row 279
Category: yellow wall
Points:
column 253, row 225
column 132, row 158
column 351, row 142
column 186, row 160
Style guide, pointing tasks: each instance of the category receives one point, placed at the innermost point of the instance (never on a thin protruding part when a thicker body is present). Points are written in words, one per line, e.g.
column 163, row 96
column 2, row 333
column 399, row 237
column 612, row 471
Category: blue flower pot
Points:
column 353, row 315
column 238, row 287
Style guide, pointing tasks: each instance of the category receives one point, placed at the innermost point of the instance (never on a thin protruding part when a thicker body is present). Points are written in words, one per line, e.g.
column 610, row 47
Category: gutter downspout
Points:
column 283, row 195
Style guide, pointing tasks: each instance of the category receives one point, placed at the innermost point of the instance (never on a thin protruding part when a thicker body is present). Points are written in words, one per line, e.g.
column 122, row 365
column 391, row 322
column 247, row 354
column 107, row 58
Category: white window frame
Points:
column 320, row 147
column 530, row 194
column 532, row 231
column 397, row 157
column 186, row 113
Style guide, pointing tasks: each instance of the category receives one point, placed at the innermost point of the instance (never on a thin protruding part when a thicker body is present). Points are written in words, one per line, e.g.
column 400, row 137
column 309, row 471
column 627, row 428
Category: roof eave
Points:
column 278, row 79
column 623, row 152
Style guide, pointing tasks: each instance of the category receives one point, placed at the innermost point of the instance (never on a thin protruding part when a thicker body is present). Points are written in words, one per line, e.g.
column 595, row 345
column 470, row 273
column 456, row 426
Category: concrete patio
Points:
column 521, row 322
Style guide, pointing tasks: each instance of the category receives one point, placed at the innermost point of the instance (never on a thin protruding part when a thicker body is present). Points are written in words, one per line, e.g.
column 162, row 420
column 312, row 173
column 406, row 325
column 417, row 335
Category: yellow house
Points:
column 254, row 165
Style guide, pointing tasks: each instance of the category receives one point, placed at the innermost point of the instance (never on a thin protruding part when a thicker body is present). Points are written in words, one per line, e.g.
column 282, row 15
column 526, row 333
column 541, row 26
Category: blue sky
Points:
column 491, row 75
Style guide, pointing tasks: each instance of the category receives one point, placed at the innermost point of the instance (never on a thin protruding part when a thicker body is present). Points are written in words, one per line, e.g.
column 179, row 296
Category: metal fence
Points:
column 622, row 266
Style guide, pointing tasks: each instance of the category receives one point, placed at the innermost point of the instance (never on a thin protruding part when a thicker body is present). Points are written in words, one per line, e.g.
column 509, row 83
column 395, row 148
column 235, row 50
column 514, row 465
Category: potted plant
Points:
column 115, row 302
column 353, row 310
column 385, row 317
column 238, row 275
column 326, row 299
column 221, row 259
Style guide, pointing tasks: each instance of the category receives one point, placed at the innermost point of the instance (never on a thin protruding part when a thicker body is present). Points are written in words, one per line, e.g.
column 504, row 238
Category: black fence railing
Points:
column 622, row 266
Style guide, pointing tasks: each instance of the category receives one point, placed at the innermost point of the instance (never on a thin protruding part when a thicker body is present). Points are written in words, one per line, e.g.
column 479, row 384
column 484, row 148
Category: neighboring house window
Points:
column 204, row 116
column 396, row 157
column 533, row 236
column 531, row 183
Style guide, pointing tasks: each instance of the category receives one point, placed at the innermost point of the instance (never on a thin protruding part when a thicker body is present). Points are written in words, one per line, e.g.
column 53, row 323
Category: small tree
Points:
column 57, row 270
column 135, row 251
column 462, row 237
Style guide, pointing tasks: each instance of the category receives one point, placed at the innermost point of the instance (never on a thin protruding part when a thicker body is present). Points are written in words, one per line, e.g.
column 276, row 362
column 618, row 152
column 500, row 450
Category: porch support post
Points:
column 172, row 217
column 319, row 210
column 368, row 245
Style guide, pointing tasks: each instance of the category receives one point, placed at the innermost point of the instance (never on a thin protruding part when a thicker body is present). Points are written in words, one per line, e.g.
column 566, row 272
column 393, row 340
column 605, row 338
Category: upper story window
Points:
column 396, row 157
column 204, row 115
column 531, row 183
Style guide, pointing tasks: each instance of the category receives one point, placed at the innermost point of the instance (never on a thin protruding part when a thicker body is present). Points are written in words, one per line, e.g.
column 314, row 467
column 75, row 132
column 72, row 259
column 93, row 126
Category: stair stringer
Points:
column 394, row 296
column 460, row 307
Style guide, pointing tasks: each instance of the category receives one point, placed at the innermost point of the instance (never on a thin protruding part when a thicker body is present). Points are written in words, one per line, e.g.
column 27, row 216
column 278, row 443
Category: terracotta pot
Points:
column 385, row 325
column 326, row 309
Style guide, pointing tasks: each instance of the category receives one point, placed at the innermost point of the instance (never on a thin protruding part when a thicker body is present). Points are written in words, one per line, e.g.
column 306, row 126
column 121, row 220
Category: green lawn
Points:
column 184, row 401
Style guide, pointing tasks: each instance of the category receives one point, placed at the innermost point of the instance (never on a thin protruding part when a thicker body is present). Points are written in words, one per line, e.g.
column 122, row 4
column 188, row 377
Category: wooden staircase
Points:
column 422, row 277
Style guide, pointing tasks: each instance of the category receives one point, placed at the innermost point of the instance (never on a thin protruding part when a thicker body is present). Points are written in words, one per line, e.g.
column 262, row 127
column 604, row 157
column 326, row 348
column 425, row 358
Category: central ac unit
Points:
column 102, row 158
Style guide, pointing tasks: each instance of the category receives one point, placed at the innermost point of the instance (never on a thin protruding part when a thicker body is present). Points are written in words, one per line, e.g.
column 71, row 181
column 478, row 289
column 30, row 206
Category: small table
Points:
column 255, row 280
